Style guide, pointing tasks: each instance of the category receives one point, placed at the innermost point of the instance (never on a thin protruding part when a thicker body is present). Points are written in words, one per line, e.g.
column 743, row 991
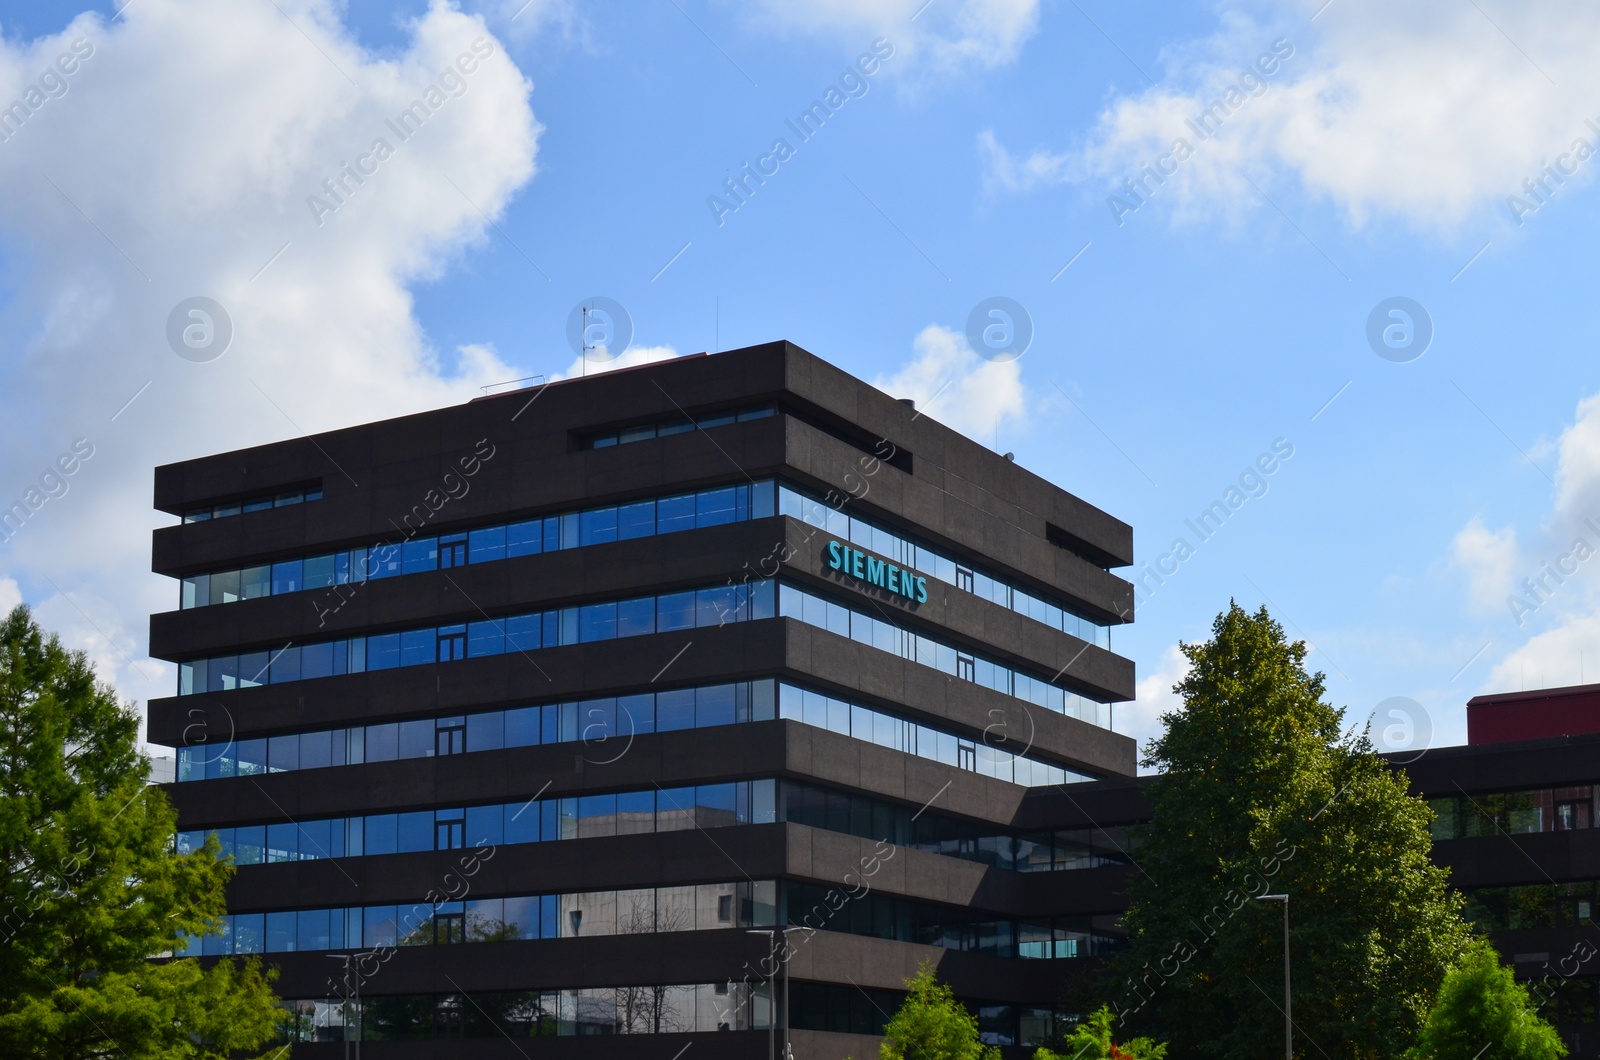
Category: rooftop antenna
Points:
column 583, row 341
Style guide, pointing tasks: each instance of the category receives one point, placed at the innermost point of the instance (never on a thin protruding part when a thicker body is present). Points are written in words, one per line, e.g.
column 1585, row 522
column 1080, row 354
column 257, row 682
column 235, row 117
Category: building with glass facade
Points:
column 534, row 717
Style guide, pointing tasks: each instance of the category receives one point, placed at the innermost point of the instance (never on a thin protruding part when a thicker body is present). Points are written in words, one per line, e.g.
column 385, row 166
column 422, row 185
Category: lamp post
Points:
column 347, row 958
column 772, row 1028
column 1288, row 1021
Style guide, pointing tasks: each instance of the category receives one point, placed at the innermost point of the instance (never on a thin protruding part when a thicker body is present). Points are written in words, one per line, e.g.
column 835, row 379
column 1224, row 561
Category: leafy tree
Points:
column 1261, row 793
column 932, row 1025
column 1091, row 1040
column 1482, row 1003
column 90, row 885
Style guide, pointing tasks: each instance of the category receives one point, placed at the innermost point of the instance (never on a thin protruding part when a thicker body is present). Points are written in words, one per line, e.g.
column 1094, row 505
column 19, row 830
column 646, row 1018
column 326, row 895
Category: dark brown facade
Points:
column 896, row 822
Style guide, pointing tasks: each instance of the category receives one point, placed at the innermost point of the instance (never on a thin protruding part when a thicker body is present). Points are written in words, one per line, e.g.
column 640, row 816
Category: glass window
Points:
column 525, row 538
column 714, row 805
column 636, row 434
column 485, row 732
column 418, row 646
column 285, row 665
column 255, row 582
column 485, row 638
column 674, row 809
column 416, row 738
column 597, row 622
column 522, row 822
column 287, row 577
column 220, row 674
column 380, row 833
column 248, row 932
column 379, row 926
column 318, row 572
column 283, row 842
column 636, row 812
column 714, row 706
column 316, row 839
column 597, row 815
column 253, row 668
column 636, row 617
column 383, row 561
column 196, row 591
column 283, row 752
column 414, row 831
column 249, row 844
column 316, row 660
column 675, row 710
column 281, row 932
column 486, row 545
column 382, row 743
column 419, row 554
column 522, row 727
column 675, row 611
column 636, row 714
column 313, row 933
column 636, row 520
column 225, row 587
column 524, row 632
column 675, row 513
column 383, row 651
column 597, row 526
column 674, row 426
column 714, row 507
column 485, row 825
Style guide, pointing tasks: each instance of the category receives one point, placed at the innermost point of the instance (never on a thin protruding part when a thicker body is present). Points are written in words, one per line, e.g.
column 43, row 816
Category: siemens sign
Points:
column 877, row 572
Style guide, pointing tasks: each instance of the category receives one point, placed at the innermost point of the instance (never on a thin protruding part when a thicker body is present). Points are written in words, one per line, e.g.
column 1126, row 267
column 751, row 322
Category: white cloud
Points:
column 946, row 37
column 1566, row 654
column 1558, row 587
column 955, row 386
column 631, row 357
column 1153, row 697
column 188, row 156
column 10, row 596
column 1578, row 470
column 1003, row 172
column 1491, row 561
column 1427, row 112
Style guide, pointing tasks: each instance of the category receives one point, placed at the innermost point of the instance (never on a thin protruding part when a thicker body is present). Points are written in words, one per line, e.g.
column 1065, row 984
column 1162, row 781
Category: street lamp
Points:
column 772, row 1027
column 1288, row 1022
column 347, row 958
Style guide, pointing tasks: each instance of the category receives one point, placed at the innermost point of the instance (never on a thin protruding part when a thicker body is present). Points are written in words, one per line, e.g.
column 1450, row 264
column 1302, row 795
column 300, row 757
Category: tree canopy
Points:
column 1481, row 1003
column 1263, row 792
column 91, row 887
column 932, row 1025
column 1092, row 1039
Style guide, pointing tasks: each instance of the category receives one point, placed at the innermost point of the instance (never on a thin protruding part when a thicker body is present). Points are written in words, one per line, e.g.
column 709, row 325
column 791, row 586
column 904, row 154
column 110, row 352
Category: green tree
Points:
column 1092, row 1040
column 1262, row 793
column 1481, row 1004
column 932, row 1025
column 90, row 884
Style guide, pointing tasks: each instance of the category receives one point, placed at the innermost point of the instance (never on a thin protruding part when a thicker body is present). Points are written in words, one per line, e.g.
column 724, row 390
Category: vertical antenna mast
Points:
column 583, row 341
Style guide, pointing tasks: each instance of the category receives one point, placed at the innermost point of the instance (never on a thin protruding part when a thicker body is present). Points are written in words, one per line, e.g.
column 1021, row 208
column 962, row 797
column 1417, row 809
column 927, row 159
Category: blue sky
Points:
column 1184, row 339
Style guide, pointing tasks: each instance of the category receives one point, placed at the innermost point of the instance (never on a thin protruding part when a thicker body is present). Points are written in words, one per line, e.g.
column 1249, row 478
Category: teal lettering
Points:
column 922, row 590
column 894, row 578
column 856, row 556
column 834, row 559
column 875, row 571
